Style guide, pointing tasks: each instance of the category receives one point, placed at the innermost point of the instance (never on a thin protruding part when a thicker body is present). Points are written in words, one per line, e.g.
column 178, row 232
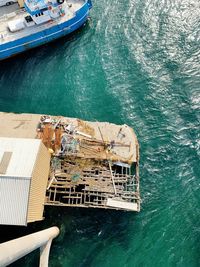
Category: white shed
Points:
column 24, row 170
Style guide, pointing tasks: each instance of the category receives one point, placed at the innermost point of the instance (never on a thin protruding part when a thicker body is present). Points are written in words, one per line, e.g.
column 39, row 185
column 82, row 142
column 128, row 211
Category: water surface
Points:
column 134, row 62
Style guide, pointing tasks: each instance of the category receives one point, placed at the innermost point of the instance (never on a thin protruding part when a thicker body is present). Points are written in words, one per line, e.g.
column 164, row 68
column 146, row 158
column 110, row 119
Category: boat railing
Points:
column 15, row 249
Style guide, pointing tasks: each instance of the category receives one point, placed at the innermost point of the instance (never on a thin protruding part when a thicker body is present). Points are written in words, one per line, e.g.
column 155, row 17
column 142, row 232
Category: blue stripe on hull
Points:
column 45, row 36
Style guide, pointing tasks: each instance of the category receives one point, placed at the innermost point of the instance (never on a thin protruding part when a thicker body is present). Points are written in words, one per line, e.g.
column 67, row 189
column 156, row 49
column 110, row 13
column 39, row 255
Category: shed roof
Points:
column 17, row 156
column 17, row 159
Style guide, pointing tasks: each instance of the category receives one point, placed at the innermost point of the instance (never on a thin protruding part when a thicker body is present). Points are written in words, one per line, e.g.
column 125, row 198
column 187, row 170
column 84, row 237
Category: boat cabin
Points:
column 43, row 11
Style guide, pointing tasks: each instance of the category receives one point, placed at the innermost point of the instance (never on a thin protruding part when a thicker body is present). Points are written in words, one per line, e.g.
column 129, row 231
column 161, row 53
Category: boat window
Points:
column 39, row 14
column 44, row 9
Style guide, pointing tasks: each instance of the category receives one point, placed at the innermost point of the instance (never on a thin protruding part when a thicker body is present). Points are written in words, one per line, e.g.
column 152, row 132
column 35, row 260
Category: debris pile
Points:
column 93, row 164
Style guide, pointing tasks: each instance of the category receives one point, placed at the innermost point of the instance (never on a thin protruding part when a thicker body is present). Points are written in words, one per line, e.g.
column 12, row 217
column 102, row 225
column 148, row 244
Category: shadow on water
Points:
column 76, row 225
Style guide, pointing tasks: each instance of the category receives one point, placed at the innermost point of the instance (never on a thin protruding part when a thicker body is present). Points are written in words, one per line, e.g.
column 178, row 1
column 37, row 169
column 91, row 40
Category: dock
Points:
column 92, row 164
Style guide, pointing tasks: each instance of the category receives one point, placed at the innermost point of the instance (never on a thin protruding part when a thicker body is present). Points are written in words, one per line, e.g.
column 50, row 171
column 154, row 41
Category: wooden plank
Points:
column 122, row 205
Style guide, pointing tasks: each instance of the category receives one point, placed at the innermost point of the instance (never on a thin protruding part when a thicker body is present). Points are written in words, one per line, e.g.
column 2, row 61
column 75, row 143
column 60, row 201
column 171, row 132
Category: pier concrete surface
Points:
column 15, row 249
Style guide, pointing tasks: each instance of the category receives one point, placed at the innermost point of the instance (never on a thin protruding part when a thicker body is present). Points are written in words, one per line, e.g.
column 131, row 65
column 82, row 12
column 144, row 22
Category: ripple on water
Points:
column 135, row 62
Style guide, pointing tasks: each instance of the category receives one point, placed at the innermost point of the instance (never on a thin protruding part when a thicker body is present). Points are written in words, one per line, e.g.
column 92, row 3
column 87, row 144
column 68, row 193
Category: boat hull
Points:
column 42, row 37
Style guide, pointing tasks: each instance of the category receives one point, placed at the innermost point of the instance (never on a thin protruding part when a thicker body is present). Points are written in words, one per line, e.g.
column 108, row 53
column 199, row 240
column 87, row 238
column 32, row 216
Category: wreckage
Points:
column 92, row 164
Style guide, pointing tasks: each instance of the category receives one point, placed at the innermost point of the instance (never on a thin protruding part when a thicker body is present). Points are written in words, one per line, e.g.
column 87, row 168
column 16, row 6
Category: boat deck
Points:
column 8, row 9
column 5, row 17
column 13, row 12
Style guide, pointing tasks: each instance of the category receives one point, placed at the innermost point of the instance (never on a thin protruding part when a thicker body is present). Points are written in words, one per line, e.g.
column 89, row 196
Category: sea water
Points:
column 134, row 62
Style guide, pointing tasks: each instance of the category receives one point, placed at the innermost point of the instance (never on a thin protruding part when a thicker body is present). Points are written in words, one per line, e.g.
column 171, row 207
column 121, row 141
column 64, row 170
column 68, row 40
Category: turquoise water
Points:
column 135, row 62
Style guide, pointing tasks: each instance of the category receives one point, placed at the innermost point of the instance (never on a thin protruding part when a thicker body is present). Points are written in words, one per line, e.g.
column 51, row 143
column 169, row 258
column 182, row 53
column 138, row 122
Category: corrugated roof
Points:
column 24, row 153
column 16, row 178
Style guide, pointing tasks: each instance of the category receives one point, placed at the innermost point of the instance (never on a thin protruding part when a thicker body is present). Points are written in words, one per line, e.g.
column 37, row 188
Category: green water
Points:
column 135, row 62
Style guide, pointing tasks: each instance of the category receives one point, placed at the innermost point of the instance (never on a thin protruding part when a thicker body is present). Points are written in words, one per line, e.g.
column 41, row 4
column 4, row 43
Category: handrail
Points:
column 17, row 248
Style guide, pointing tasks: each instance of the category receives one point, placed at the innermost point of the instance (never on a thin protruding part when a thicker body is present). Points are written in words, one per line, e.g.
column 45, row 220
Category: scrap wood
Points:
column 85, row 127
column 88, row 148
column 58, row 138
column 96, row 142
column 51, row 181
column 57, row 123
column 101, row 134
column 112, row 178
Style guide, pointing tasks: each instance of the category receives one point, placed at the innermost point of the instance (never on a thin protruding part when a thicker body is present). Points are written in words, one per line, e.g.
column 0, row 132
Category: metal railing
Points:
column 15, row 249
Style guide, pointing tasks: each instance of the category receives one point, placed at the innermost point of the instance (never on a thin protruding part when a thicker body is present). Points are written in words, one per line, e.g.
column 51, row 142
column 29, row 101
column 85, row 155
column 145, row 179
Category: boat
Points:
column 31, row 23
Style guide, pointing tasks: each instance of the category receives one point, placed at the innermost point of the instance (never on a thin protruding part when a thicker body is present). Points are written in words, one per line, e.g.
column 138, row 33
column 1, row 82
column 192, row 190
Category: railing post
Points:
column 15, row 249
column 44, row 254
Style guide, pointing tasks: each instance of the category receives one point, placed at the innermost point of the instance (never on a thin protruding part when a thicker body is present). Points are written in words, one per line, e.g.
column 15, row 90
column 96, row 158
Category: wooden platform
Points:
column 93, row 164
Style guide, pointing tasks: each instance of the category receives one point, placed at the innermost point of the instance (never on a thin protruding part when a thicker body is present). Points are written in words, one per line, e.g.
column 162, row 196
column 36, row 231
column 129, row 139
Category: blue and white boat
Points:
column 39, row 22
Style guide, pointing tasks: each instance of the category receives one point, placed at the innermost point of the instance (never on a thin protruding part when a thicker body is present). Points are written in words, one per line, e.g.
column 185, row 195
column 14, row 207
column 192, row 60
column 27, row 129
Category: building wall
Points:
column 38, row 185
column 14, row 192
column 17, row 160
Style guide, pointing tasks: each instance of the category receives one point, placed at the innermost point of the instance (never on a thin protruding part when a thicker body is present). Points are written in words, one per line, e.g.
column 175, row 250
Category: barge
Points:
column 92, row 164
